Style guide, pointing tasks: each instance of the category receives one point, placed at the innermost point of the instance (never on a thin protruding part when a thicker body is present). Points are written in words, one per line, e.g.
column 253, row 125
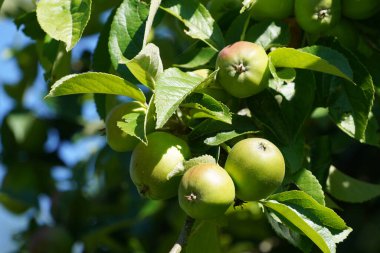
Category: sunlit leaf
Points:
column 95, row 82
column 64, row 20
column 147, row 65
column 172, row 87
column 154, row 6
column 302, row 214
column 316, row 58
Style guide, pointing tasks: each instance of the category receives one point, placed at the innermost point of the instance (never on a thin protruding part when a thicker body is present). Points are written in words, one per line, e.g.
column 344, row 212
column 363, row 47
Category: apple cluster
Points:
column 253, row 170
column 317, row 18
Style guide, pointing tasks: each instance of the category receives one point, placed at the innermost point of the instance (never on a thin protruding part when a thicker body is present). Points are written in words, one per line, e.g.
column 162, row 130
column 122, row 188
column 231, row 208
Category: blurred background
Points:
column 63, row 190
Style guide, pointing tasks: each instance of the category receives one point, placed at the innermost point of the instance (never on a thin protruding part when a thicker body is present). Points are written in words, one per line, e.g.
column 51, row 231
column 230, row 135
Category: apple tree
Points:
column 228, row 126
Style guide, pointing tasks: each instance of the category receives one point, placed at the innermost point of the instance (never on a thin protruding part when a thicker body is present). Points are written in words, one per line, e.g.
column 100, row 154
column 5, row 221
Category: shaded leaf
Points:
column 283, row 109
column 202, row 57
column 205, row 106
column 238, row 28
column 269, row 34
column 307, row 182
column 349, row 189
column 204, row 238
column 127, row 30
column 209, row 127
column 28, row 23
column 197, row 19
column 350, row 104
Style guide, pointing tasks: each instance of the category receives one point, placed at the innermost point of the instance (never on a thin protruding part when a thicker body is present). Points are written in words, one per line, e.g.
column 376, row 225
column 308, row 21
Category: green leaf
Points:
column 247, row 5
column 127, row 30
column 207, row 82
column 154, row 6
column 287, row 231
column 225, row 136
column 150, row 117
column 134, row 124
column 283, row 109
column 200, row 58
column 301, row 213
column 238, row 28
column 204, row 238
column 372, row 133
column 316, row 58
column 307, row 182
column 147, row 65
column 265, row 109
column 348, row 189
column 181, row 168
column 95, row 82
column 294, row 154
column 197, row 19
column 53, row 58
column 320, row 158
column 64, row 20
column 205, row 106
column 350, row 104
column 318, row 234
column 303, row 202
column 269, row 34
column 296, row 100
column 101, row 60
column 28, row 23
column 172, row 87
column 240, row 124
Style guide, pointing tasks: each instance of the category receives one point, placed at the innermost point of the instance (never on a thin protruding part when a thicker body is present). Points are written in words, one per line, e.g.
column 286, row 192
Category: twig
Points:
column 183, row 236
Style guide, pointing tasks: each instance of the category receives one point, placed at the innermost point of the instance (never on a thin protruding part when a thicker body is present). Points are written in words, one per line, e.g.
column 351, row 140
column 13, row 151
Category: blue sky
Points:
column 70, row 152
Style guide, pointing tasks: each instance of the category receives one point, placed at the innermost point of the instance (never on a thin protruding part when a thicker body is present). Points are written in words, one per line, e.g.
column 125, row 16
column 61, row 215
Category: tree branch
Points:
column 183, row 236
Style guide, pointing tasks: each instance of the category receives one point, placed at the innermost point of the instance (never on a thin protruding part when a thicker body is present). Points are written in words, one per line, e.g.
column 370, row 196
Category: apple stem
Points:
column 226, row 147
column 183, row 236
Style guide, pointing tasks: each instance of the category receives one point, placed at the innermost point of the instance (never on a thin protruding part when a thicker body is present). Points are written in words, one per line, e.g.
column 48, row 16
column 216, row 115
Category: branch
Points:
column 183, row 236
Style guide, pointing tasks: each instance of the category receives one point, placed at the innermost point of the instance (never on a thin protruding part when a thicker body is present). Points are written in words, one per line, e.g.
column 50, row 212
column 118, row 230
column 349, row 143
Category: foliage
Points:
column 321, row 109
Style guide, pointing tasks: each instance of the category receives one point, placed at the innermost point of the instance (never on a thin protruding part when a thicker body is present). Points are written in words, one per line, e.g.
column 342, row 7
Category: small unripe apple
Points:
column 243, row 69
column 206, row 191
column 152, row 165
column 316, row 16
column 257, row 167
